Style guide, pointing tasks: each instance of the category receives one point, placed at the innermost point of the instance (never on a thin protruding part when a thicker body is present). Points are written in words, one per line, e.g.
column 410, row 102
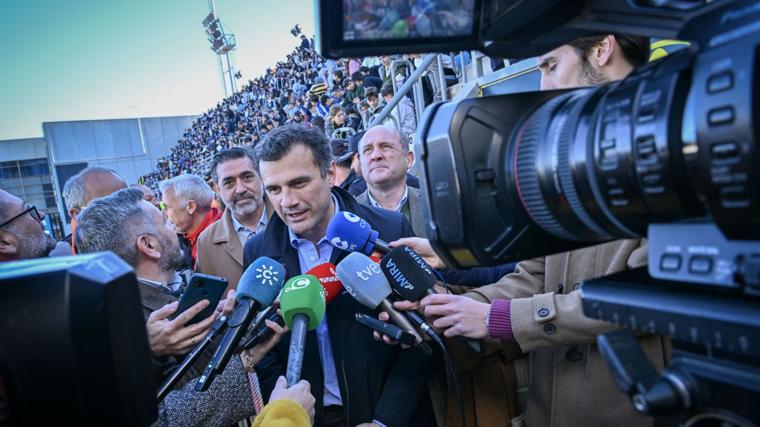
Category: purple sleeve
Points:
column 499, row 322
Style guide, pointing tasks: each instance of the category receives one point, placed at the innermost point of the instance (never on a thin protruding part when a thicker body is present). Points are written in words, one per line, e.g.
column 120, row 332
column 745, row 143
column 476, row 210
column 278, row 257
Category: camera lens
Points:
column 592, row 165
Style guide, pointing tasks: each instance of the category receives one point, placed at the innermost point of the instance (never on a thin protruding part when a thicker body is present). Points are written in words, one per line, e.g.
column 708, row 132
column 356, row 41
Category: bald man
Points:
column 148, row 195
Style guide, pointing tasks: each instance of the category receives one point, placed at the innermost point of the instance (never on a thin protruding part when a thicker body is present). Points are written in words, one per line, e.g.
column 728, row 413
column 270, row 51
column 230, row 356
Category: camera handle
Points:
column 650, row 392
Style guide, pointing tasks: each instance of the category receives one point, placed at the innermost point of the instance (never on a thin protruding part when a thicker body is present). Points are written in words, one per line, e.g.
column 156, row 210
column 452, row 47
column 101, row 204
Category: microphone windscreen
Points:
column 303, row 295
column 351, row 233
column 261, row 281
column 326, row 275
column 363, row 279
column 409, row 275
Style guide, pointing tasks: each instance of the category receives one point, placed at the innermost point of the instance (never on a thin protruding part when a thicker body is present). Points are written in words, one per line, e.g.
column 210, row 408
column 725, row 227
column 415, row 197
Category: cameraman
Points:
column 537, row 309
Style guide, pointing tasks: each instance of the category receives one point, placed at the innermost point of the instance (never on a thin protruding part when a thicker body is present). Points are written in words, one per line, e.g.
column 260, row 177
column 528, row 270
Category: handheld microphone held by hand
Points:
column 412, row 279
column 258, row 287
column 260, row 332
column 364, row 280
column 409, row 275
column 351, row 233
column 303, row 308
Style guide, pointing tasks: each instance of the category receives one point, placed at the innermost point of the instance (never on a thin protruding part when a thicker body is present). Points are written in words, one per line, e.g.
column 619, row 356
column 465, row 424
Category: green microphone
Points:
column 303, row 307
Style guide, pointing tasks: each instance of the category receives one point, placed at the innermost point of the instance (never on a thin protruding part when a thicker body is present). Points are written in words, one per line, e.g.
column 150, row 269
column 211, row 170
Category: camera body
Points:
column 669, row 153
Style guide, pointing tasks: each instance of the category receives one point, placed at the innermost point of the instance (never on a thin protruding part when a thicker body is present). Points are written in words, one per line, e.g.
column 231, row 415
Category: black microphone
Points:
column 412, row 279
column 259, row 332
column 258, row 287
column 364, row 280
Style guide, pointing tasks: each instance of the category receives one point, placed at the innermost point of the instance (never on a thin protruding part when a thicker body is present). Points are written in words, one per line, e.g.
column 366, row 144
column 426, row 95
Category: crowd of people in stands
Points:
column 339, row 97
column 275, row 198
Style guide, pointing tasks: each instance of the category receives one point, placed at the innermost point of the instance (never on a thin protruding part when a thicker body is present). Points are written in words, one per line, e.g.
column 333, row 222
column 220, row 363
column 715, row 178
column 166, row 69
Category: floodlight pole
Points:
column 226, row 65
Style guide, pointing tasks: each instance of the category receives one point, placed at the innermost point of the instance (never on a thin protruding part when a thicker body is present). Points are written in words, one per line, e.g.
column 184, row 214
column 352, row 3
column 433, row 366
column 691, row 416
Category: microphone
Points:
column 326, row 275
column 303, row 308
column 260, row 332
column 258, row 287
column 412, row 279
column 409, row 275
column 351, row 233
column 364, row 280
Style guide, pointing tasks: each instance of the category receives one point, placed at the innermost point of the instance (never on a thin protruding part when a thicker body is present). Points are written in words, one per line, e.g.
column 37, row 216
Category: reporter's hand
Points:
column 172, row 337
column 227, row 305
column 385, row 338
column 457, row 315
column 299, row 393
column 423, row 248
column 258, row 352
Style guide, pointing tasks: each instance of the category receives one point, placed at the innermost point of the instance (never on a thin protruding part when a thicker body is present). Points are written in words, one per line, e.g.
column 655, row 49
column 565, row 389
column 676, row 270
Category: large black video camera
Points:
column 668, row 154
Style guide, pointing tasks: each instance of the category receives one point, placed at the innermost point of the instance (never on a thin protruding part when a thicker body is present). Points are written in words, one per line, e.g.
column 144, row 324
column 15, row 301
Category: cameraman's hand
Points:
column 457, row 315
column 423, row 248
column 299, row 393
column 257, row 353
column 172, row 337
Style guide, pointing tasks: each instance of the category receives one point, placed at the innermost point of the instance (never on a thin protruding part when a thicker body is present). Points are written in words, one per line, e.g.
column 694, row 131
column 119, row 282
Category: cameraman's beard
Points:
column 33, row 245
column 590, row 76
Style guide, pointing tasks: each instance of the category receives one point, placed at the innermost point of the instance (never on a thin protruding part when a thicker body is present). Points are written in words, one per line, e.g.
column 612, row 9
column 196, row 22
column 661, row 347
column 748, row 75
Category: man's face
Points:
column 171, row 254
column 384, row 162
column 102, row 184
column 24, row 237
column 563, row 68
column 177, row 213
column 149, row 196
column 373, row 101
column 240, row 186
column 300, row 194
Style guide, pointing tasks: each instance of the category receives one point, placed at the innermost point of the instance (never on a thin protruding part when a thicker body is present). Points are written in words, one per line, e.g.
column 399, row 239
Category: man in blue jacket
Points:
column 356, row 380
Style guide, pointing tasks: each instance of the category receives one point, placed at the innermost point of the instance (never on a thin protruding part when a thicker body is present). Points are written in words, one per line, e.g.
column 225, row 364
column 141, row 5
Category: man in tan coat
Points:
column 563, row 380
column 220, row 246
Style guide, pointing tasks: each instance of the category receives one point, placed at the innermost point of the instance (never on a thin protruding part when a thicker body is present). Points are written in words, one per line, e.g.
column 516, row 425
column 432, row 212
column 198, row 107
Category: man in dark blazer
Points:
column 355, row 379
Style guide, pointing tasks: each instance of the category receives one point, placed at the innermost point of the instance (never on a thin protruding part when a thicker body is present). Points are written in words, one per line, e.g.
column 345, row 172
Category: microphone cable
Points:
column 452, row 370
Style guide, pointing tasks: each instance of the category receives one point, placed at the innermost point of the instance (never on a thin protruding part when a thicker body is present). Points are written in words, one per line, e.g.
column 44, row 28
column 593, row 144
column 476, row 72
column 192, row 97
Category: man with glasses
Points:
column 21, row 233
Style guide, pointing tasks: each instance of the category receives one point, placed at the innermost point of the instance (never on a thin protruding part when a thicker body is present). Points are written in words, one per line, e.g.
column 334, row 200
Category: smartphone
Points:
column 202, row 286
column 393, row 331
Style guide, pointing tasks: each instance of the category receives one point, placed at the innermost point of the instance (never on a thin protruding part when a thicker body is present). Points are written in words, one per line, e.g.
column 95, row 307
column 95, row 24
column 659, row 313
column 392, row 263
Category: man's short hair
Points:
column 189, row 187
column 357, row 76
column 386, row 90
column 233, row 153
column 75, row 193
column 370, row 91
column 635, row 49
column 112, row 223
column 278, row 143
column 402, row 138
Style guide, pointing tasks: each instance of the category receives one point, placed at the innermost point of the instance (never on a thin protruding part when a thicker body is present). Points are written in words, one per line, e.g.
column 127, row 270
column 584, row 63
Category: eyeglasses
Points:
column 30, row 209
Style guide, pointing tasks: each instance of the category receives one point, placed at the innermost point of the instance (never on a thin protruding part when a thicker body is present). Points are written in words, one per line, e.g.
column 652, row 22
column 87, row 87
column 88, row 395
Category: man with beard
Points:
column 136, row 231
column 21, row 232
column 220, row 246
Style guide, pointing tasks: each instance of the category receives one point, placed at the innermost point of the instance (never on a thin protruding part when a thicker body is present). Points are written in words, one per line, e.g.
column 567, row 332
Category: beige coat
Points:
column 566, row 380
column 219, row 250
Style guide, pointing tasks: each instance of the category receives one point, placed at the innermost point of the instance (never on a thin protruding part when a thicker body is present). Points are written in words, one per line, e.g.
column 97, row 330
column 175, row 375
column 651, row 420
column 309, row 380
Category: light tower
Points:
column 222, row 44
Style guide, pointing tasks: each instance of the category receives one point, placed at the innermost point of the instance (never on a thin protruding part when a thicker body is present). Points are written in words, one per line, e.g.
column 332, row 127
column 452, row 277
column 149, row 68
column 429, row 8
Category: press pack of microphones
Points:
column 401, row 274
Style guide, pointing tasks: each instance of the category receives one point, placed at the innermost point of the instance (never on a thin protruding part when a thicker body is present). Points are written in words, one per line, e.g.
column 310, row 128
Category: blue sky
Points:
column 86, row 59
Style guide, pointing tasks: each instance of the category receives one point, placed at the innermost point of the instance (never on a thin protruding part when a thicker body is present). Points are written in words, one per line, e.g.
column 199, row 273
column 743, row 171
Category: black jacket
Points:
column 377, row 381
